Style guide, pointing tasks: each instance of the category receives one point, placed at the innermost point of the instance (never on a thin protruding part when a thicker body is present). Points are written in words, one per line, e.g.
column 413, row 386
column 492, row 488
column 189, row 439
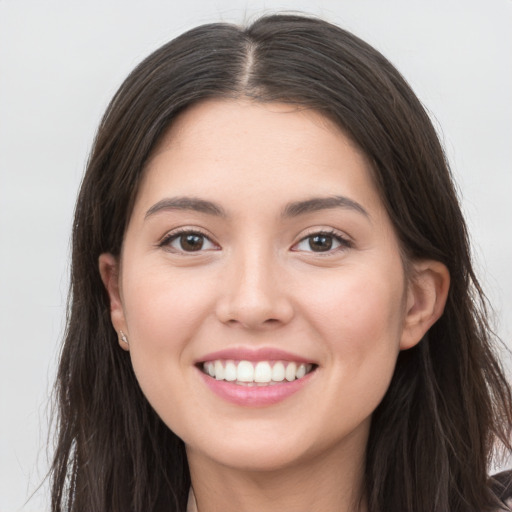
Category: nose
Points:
column 254, row 294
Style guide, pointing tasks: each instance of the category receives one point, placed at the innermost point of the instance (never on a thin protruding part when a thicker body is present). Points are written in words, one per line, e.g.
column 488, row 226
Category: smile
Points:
column 256, row 373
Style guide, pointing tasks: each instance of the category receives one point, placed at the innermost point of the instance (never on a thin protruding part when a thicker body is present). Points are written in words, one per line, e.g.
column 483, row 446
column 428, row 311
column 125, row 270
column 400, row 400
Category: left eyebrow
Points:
column 322, row 203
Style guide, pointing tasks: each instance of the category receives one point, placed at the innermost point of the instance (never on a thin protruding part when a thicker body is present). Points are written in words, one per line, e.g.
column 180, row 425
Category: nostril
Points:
column 249, row 324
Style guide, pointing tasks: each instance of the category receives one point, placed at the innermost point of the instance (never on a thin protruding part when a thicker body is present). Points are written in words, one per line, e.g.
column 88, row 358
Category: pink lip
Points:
column 246, row 354
column 254, row 396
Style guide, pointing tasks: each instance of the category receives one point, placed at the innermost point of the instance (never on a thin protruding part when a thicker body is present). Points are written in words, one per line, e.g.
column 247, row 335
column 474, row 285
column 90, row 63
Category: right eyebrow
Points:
column 186, row 203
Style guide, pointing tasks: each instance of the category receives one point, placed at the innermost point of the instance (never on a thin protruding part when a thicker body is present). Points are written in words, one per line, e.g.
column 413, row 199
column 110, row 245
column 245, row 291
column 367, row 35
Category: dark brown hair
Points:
column 433, row 435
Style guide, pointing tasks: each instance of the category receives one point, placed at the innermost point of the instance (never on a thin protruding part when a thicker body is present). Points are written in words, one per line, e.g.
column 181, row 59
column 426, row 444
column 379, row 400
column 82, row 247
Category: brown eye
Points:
column 191, row 242
column 188, row 241
column 320, row 243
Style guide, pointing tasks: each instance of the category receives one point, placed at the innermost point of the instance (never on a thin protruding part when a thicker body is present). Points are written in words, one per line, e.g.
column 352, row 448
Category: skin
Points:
column 258, row 282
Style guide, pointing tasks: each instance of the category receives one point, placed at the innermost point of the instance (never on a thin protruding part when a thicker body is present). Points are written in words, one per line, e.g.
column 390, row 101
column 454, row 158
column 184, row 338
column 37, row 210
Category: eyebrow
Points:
column 322, row 203
column 293, row 209
column 186, row 203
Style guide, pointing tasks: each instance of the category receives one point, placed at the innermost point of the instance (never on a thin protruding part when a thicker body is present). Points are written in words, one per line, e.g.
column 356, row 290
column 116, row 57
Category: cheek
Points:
column 355, row 318
column 162, row 314
column 163, row 308
column 359, row 319
column 360, row 304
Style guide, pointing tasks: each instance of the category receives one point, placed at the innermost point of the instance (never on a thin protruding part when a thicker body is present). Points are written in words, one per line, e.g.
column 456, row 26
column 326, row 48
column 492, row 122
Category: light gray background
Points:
column 61, row 61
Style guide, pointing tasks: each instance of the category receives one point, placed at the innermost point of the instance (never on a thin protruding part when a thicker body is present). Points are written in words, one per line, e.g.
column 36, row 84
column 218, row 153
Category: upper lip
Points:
column 251, row 354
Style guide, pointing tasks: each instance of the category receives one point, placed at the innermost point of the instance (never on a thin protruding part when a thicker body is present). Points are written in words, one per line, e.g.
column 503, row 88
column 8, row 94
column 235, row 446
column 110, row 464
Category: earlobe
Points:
column 109, row 271
column 426, row 298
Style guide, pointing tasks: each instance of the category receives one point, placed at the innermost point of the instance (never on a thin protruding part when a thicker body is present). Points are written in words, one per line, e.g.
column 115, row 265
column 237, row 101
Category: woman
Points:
column 273, row 305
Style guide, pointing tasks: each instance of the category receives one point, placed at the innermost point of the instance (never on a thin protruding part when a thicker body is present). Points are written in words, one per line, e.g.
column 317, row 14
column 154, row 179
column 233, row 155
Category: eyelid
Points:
column 172, row 235
column 344, row 240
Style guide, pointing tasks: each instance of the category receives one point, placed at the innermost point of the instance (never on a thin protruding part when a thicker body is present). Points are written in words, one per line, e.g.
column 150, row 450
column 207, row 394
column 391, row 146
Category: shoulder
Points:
column 501, row 486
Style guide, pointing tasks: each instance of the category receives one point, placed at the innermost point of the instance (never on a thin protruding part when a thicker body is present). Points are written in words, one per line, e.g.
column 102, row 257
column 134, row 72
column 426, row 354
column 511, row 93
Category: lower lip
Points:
column 255, row 396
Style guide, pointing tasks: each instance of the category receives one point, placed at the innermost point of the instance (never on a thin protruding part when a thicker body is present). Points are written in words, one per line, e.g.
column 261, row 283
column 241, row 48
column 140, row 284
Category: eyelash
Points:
column 175, row 235
column 343, row 242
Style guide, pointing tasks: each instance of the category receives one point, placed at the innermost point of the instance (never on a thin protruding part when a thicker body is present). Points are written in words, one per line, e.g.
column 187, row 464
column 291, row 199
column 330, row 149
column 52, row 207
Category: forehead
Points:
column 236, row 150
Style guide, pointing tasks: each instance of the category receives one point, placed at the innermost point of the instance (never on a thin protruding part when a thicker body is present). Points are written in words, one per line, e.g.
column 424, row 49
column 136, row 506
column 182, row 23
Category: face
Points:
column 261, row 286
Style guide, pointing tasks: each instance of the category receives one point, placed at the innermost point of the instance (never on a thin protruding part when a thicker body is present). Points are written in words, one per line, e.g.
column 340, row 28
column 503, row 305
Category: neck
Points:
column 325, row 484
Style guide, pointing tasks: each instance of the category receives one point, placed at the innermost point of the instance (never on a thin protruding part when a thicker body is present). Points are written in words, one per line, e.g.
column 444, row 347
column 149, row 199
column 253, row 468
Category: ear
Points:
column 109, row 271
column 426, row 297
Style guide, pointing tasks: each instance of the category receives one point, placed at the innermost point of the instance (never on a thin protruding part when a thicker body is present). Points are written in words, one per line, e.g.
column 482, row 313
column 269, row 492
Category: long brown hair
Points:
column 448, row 404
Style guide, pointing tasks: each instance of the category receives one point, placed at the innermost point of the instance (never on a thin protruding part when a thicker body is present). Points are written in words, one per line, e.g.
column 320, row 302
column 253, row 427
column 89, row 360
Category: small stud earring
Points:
column 123, row 337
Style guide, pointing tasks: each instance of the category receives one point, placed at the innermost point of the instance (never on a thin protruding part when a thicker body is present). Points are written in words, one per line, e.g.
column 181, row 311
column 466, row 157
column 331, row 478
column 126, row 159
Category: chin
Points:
column 252, row 457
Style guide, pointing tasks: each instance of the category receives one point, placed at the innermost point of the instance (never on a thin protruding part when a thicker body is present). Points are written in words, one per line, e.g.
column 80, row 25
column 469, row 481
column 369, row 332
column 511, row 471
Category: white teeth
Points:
column 278, row 372
column 230, row 371
column 291, row 369
column 219, row 370
column 245, row 372
column 261, row 373
column 301, row 371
